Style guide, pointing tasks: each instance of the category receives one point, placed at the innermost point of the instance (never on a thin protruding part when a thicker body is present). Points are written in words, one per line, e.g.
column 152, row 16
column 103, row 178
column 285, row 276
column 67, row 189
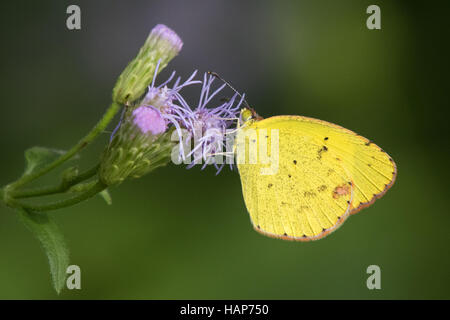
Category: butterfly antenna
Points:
column 214, row 74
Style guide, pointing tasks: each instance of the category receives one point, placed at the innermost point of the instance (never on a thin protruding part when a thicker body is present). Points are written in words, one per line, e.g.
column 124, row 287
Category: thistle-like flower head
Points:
column 206, row 125
column 162, row 111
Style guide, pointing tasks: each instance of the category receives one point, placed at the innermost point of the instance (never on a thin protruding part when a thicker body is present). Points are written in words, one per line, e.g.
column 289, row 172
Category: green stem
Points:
column 99, row 127
column 62, row 187
column 36, row 192
column 92, row 191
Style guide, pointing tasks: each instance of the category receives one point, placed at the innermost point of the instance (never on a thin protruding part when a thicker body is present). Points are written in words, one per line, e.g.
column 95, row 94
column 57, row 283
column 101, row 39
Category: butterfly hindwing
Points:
column 323, row 175
column 372, row 170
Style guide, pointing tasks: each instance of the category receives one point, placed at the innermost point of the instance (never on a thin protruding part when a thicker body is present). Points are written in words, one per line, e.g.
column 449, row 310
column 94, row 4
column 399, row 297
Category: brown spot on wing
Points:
column 309, row 194
column 340, row 191
column 319, row 153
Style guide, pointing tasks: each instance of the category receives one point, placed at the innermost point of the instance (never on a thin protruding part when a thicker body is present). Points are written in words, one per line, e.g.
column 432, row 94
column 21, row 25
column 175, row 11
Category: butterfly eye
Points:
column 246, row 114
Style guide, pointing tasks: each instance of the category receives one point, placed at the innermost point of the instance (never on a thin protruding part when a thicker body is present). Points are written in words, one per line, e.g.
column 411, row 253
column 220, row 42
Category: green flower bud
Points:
column 161, row 46
column 141, row 144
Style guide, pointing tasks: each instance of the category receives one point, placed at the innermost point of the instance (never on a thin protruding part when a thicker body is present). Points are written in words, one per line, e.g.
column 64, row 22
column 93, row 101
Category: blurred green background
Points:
column 185, row 234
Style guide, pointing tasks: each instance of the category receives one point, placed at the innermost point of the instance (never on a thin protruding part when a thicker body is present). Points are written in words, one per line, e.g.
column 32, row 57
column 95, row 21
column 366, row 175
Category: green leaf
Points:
column 106, row 196
column 37, row 157
column 52, row 241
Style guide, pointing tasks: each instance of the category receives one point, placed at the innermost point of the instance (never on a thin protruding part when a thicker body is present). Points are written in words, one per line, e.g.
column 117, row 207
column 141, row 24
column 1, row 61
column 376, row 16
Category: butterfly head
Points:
column 249, row 114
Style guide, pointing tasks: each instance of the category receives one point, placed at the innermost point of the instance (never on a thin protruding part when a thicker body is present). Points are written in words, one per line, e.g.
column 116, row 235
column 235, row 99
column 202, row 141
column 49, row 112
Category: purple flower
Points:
column 162, row 32
column 164, row 107
column 206, row 125
column 149, row 120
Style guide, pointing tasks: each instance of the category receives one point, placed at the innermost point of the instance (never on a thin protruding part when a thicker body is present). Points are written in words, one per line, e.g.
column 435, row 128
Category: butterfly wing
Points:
column 325, row 172
column 372, row 170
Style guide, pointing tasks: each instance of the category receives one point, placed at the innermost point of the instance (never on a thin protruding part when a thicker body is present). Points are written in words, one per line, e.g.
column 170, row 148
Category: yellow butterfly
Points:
column 302, row 177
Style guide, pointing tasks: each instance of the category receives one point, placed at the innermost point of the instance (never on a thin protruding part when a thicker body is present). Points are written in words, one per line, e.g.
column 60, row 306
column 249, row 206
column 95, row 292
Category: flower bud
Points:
column 141, row 144
column 161, row 46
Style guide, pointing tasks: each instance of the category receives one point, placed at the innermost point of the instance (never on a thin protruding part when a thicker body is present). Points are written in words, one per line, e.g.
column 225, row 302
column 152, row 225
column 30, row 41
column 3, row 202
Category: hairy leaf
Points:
column 52, row 241
column 37, row 157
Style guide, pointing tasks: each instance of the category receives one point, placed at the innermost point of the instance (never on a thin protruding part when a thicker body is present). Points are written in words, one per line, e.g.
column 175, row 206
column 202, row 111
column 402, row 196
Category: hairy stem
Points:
column 92, row 191
column 62, row 187
column 99, row 127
